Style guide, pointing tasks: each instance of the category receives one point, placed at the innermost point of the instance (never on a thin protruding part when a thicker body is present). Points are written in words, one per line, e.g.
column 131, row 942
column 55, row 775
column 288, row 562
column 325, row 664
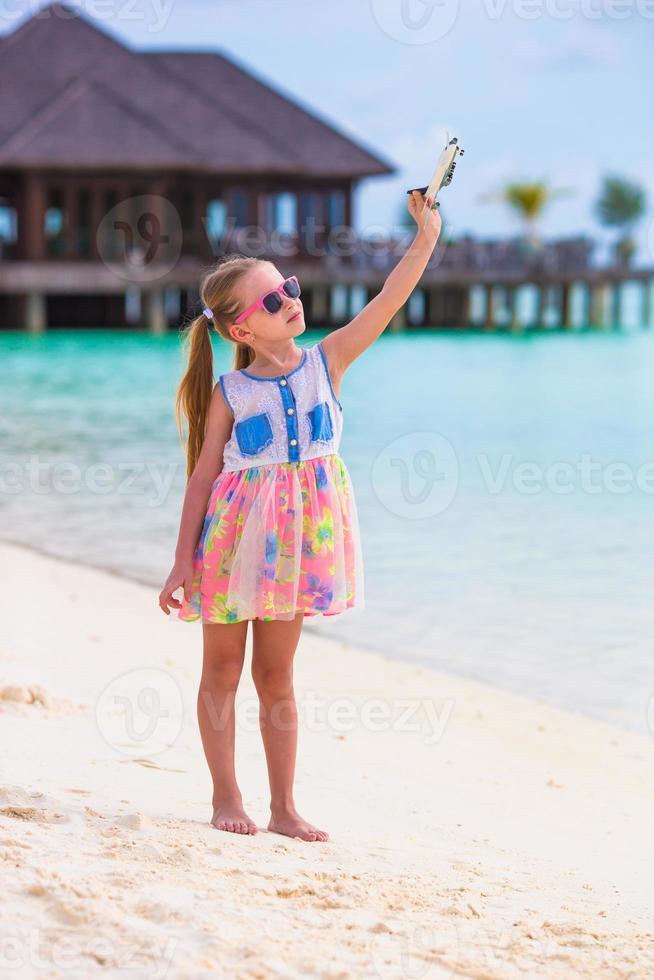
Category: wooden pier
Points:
column 80, row 294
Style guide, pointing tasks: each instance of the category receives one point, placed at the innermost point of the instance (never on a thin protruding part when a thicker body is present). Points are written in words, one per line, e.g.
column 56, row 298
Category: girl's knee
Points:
column 272, row 680
column 223, row 674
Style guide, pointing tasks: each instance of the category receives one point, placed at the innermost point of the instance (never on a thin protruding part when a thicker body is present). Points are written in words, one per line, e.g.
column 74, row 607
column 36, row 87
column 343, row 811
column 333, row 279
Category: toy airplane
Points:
column 444, row 171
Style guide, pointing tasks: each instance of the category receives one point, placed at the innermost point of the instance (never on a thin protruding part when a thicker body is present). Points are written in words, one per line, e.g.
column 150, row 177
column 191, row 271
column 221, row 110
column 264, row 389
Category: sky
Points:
column 561, row 90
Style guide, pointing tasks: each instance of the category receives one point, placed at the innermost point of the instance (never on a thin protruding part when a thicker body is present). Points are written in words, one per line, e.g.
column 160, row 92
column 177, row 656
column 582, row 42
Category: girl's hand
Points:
column 420, row 210
column 181, row 574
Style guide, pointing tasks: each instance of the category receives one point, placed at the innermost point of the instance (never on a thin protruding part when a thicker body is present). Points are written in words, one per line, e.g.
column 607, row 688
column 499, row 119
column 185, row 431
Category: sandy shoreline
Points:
column 473, row 832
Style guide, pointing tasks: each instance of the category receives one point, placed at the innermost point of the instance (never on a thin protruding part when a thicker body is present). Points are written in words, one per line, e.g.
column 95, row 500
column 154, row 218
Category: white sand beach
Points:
column 473, row 833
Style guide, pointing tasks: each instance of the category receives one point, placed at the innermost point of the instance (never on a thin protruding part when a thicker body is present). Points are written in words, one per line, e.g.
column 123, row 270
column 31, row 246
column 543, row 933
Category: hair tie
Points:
column 207, row 312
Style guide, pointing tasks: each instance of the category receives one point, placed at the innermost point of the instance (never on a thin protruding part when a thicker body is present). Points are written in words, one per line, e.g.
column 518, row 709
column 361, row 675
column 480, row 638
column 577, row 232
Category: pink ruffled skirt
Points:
column 277, row 540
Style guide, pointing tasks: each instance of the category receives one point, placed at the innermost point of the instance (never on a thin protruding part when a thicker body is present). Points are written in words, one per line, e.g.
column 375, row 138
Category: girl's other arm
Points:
column 198, row 490
column 342, row 346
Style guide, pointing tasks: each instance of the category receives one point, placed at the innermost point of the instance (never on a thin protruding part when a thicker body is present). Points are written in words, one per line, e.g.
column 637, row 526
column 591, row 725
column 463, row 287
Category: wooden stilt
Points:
column 155, row 312
column 489, row 317
column 35, row 313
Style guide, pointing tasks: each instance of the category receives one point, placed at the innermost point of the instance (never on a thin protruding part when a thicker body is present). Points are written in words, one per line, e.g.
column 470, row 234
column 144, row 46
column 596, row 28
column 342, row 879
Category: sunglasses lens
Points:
column 272, row 302
column 292, row 288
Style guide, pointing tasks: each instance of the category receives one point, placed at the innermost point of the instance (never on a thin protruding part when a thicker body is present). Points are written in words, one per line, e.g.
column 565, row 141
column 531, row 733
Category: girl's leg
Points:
column 224, row 653
column 273, row 648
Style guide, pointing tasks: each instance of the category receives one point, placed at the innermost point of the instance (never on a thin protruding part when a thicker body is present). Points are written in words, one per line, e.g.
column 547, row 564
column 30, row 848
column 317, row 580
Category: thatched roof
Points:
column 72, row 96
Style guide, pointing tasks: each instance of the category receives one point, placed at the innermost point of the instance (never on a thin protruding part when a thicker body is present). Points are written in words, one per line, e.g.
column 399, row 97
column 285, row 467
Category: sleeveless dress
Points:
column 281, row 533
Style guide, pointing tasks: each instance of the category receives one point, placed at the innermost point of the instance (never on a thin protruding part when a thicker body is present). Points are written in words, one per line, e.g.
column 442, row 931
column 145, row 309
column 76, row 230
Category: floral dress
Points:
column 281, row 533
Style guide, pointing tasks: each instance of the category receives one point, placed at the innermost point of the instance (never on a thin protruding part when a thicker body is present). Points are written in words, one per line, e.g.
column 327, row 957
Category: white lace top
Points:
column 285, row 418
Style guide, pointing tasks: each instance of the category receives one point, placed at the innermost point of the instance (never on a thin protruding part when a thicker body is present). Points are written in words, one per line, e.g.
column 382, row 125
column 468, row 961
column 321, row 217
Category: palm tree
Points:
column 527, row 199
column 620, row 204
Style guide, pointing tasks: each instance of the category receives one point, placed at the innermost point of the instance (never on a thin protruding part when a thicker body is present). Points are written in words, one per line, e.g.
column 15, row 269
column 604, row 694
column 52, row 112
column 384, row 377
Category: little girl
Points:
column 269, row 529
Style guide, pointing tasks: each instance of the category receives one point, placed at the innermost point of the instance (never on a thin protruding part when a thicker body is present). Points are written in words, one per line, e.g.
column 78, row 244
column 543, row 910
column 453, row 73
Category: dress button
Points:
column 283, row 381
column 290, row 411
column 293, row 442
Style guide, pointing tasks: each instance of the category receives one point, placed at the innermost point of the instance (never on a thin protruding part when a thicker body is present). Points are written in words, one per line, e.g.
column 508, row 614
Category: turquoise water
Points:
column 489, row 551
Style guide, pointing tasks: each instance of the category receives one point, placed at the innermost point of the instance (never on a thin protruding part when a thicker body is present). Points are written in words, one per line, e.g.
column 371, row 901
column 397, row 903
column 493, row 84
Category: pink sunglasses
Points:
column 272, row 301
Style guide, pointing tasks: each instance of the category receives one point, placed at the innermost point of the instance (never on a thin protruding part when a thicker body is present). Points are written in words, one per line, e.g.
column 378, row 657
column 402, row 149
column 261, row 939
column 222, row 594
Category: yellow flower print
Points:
column 320, row 534
column 220, row 612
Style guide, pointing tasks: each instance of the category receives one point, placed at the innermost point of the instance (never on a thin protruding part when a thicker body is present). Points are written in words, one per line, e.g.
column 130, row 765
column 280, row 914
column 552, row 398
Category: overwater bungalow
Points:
column 125, row 173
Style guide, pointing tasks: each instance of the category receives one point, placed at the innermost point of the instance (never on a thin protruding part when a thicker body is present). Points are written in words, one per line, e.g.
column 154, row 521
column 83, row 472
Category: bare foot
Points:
column 231, row 816
column 290, row 822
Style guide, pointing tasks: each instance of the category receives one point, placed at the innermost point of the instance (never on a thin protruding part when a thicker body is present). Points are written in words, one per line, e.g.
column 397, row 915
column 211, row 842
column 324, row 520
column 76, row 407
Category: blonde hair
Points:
column 219, row 292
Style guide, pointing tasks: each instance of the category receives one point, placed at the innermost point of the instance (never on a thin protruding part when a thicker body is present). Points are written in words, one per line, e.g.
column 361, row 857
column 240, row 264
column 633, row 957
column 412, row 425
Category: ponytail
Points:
column 195, row 389
column 221, row 303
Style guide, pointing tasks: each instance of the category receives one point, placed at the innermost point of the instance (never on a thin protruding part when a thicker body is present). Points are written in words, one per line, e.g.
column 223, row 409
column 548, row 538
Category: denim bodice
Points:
column 285, row 418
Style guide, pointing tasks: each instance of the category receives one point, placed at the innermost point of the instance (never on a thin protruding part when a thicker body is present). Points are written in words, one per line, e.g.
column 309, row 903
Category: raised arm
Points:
column 344, row 345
